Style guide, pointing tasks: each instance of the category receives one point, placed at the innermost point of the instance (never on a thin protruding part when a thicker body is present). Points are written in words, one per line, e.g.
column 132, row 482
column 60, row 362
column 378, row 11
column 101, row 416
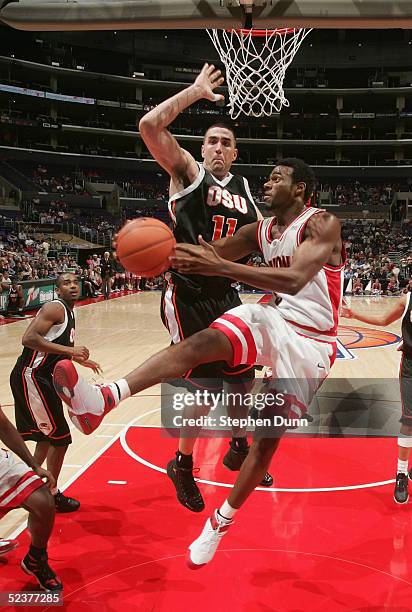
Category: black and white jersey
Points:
column 61, row 333
column 406, row 346
column 215, row 209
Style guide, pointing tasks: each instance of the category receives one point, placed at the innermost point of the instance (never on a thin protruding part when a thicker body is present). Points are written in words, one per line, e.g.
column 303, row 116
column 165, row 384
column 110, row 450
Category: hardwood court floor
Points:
column 123, row 332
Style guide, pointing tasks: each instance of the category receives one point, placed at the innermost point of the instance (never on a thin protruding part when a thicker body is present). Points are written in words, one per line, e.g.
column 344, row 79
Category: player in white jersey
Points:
column 294, row 334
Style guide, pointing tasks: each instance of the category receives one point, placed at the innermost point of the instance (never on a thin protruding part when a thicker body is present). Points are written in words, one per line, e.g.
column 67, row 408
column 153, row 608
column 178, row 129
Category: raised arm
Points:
column 164, row 147
column 322, row 241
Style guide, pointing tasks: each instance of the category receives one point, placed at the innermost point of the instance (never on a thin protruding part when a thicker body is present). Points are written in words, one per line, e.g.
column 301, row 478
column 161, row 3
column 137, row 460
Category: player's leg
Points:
column 238, row 409
column 59, row 441
column 271, row 340
column 41, row 450
column 40, row 505
column 401, row 493
column 89, row 403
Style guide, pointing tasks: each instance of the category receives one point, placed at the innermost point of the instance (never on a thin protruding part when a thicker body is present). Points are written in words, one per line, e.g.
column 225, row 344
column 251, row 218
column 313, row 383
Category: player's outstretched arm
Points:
column 322, row 240
column 164, row 147
column 387, row 318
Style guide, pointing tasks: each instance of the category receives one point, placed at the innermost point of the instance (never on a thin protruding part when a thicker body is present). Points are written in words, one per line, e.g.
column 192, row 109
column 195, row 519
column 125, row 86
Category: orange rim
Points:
column 262, row 33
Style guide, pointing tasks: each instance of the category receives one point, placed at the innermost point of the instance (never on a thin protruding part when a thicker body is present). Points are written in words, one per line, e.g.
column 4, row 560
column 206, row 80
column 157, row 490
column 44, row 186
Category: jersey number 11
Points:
column 219, row 221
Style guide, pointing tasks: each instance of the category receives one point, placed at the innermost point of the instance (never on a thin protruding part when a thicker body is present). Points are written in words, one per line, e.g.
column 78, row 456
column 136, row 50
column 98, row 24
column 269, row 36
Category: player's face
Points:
column 279, row 188
column 69, row 289
column 219, row 151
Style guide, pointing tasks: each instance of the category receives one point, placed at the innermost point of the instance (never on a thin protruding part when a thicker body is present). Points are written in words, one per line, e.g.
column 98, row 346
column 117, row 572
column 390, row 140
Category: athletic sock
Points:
column 184, row 461
column 239, row 444
column 37, row 553
column 120, row 390
column 402, row 467
column 226, row 513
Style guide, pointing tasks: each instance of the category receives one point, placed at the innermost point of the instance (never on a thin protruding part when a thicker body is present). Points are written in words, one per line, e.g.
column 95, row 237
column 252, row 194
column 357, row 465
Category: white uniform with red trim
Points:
column 17, row 482
column 293, row 334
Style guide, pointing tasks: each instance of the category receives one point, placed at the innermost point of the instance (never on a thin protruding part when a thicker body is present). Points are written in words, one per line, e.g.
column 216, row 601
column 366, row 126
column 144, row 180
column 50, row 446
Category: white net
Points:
column 255, row 64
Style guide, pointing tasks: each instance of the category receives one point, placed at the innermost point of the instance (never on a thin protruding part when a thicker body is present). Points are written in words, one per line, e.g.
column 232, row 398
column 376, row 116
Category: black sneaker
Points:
column 65, row 504
column 41, row 570
column 410, row 474
column 234, row 459
column 401, row 494
column 187, row 491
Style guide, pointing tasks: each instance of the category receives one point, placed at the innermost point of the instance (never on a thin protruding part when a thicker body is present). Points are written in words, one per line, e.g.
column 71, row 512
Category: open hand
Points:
column 93, row 365
column 208, row 80
column 346, row 312
column 194, row 259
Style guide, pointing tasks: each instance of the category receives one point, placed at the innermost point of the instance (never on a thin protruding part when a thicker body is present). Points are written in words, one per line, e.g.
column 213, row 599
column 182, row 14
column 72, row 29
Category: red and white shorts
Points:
column 259, row 334
column 17, row 482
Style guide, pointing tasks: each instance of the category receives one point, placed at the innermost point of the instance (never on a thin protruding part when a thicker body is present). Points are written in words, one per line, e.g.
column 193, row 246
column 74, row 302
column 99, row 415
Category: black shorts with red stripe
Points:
column 405, row 380
column 185, row 313
column 38, row 409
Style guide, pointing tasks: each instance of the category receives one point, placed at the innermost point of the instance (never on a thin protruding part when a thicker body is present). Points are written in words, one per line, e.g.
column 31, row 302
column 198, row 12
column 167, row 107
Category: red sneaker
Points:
column 88, row 404
column 7, row 545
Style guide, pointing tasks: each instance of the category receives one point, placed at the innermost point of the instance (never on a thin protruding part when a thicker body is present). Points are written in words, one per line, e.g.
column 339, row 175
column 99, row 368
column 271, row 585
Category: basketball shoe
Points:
column 202, row 550
column 7, row 545
column 401, row 494
column 235, row 457
column 88, row 404
column 187, row 491
column 41, row 570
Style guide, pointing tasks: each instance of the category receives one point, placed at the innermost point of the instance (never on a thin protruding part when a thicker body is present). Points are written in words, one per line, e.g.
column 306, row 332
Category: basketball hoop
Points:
column 256, row 62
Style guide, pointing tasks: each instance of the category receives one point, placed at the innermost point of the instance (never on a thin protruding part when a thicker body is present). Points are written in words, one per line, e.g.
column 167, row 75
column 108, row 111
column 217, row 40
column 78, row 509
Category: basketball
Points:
column 144, row 246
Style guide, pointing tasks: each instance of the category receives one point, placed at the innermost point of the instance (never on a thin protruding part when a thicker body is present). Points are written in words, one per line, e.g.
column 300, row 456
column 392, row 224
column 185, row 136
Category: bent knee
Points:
column 40, row 502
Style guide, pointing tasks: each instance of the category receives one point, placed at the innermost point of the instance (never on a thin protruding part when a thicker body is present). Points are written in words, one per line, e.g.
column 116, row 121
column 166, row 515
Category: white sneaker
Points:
column 202, row 550
column 88, row 404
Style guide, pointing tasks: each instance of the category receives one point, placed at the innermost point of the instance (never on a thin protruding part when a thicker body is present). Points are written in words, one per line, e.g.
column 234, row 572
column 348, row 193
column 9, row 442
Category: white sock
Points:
column 120, row 390
column 226, row 513
column 402, row 466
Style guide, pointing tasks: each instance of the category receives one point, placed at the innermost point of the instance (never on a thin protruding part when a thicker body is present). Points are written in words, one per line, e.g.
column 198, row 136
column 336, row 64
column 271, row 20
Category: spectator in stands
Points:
column 393, row 286
column 408, row 287
column 357, row 288
column 376, row 287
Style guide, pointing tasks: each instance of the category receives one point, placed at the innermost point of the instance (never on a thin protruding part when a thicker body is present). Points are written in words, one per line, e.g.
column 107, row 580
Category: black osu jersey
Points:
column 215, row 209
column 407, row 327
column 13, row 295
column 61, row 333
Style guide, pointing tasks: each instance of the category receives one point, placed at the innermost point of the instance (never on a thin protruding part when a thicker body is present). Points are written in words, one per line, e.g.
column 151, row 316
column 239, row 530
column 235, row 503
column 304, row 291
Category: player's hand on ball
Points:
column 209, row 78
column 193, row 259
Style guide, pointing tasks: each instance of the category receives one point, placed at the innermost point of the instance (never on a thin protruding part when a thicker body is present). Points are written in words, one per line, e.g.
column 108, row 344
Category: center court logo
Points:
column 353, row 338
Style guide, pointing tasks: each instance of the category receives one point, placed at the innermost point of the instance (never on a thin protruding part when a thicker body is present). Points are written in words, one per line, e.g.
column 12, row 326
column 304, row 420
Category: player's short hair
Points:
column 222, row 124
column 302, row 173
column 60, row 278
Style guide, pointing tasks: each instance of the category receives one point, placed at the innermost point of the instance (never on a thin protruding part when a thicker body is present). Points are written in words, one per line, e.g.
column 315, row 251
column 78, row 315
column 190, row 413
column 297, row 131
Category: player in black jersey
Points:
column 403, row 308
column 15, row 299
column 205, row 199
column 38, row 409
